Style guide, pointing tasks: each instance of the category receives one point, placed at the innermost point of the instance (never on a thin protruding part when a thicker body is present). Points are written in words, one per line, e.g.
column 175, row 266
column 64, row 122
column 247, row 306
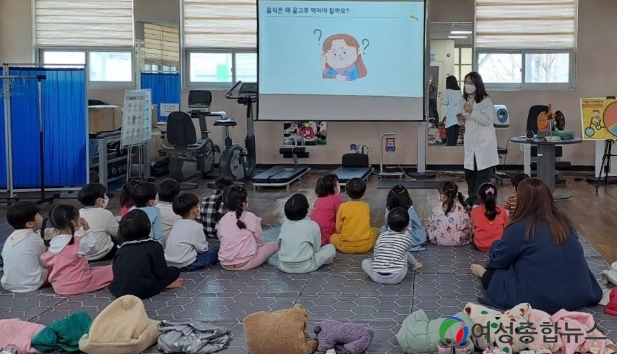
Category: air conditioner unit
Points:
column 502, row 116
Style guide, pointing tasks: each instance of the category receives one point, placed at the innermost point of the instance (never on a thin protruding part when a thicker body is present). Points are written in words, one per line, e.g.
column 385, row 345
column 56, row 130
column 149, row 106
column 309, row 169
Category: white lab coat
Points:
column 480, row 137
column 453, row 100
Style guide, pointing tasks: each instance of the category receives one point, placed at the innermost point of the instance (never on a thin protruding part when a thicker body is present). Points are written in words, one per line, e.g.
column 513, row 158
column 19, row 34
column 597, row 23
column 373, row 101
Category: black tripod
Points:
column 605, row 167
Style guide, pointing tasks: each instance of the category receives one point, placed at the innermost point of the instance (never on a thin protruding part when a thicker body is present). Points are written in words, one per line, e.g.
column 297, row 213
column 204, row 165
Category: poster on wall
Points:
column 306, row 133
column 599, row 118
column 136, row 117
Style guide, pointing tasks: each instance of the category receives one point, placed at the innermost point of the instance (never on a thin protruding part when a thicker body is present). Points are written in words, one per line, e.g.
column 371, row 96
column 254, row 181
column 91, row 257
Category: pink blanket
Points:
column 579, row 334
column 19, row 333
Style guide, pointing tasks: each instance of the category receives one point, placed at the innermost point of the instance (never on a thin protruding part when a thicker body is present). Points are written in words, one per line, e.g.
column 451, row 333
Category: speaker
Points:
column 502, row 116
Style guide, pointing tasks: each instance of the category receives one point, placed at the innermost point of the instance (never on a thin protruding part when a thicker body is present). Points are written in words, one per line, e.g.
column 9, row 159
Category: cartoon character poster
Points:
column 306, row 133
column 599, row 118
column 341, row 57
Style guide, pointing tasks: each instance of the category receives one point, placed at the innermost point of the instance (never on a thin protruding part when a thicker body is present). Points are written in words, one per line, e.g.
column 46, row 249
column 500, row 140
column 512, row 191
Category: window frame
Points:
column 92, row 84
column 213, row 85
column 530, row 86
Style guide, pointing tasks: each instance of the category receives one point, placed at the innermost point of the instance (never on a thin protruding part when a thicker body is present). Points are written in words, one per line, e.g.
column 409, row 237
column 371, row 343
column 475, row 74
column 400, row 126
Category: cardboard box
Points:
column 104, row 118
column 155, row 146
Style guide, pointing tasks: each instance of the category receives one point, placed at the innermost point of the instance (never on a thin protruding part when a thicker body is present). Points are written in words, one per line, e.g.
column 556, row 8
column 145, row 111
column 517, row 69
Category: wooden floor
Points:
column 594, row 215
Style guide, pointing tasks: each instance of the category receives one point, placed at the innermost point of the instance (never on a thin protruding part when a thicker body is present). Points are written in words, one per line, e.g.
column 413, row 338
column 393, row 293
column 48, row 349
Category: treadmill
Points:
column 353, row 166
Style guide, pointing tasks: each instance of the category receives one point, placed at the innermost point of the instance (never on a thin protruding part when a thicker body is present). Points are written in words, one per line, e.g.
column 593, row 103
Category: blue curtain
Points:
column 165, row 88
column 3, row 157
column 64, row 103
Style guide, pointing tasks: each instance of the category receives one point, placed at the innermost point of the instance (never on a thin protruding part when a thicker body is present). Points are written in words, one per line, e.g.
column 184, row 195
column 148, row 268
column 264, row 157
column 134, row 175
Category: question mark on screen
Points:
column 319, row 38
column 365, row 43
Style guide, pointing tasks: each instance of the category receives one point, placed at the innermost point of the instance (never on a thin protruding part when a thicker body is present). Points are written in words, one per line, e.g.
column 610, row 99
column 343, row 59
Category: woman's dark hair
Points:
column 534, row 203
column 234, row 198
column 125, row 195
column 61, row 217
column 134, row 226
column 220, row 184
column 480, row 93
column 398, row 197
column 487, row 193
column 296, row 207
column 452, row 83
column 450, row 190
column 326, row 185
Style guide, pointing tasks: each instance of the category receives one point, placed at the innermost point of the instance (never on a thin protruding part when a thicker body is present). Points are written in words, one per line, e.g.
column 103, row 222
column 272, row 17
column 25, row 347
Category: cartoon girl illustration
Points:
column 341, row 59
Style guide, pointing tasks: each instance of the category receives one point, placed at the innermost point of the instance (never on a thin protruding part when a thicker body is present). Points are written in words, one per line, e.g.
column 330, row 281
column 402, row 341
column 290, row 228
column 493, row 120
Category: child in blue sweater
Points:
column 399, row 197
column 145, row 197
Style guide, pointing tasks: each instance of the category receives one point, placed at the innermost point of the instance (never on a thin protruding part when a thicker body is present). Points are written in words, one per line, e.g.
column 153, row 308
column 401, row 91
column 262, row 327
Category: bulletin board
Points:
column 599, row 118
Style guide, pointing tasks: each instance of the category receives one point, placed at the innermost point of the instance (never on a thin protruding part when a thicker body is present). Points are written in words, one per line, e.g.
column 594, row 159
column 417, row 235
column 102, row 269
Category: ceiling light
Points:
column 457, row 37
column 460, row 32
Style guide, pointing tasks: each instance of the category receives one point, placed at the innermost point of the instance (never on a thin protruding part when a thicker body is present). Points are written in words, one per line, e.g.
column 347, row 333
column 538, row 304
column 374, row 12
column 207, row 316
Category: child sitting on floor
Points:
column 145, row 197
column 70, row 273
column 391, row 257
column 489, row 219
column 139, row 268
column 449, row 224
column 299, row 242
column 239, row 231
column 399, row 197
column 187, row 248
column 126, row 202
column 23, row 271
column 328, row 201
column 168, row 190
column 511, row 203
column 213, row 208
column 354, row 233
column 103, row 224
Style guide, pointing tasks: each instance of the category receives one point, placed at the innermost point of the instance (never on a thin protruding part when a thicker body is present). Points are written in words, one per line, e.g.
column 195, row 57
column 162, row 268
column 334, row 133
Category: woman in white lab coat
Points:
column 453, row 100
column 478, row 115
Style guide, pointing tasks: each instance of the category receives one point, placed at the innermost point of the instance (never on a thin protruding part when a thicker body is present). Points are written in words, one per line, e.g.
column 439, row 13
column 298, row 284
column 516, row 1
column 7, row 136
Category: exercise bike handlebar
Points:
column 229, row 93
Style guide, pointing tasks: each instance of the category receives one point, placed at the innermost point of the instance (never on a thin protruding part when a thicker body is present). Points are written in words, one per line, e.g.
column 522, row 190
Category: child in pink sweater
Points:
column 239, row 231
column 70, row 273
column 328, row 201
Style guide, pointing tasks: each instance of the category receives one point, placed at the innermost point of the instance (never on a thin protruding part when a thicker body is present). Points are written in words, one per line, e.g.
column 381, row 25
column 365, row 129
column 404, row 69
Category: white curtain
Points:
column 83, row 23
column 220, row 24
column 161, row 45
column 526, row 24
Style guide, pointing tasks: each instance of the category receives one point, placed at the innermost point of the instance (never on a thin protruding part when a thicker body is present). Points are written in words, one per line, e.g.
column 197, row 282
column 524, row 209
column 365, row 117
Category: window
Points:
column 92, row 23
column 463, row 63
column 519, row 47
column 105, row 68
column 161, row 46
column 220, row 69
column 110, row 67
column 246, row 67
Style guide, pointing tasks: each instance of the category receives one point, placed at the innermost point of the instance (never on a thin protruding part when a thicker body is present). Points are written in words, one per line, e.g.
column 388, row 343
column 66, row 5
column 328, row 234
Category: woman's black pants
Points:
column 452, row 134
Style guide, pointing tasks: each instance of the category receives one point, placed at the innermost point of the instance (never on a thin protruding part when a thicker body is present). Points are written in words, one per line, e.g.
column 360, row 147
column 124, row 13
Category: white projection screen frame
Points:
column 281, row 105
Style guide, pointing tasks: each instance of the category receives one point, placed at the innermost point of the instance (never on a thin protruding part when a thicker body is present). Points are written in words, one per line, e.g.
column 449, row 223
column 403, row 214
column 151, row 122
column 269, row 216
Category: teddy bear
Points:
column 355, row 338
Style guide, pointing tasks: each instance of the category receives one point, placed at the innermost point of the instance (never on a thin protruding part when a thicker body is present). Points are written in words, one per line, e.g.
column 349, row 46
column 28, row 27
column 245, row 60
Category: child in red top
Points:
column 489, row 219
column 511, row 203
column 328, row 200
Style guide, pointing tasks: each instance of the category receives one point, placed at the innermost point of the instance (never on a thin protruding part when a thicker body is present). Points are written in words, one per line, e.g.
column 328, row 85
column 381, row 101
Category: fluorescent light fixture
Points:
column 460, row 32
column 457, row 37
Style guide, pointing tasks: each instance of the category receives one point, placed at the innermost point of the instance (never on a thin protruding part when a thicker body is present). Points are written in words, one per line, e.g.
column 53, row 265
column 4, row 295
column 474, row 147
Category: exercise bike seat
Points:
column 225, row 123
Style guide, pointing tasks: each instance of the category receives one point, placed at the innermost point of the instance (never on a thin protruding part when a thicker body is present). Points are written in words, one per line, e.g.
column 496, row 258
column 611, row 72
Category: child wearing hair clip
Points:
column 488, row 219
column 70, row 273
column 449, row 224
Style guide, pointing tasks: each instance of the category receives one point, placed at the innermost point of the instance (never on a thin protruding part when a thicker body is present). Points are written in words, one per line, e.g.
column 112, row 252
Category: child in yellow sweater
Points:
column 354, row 233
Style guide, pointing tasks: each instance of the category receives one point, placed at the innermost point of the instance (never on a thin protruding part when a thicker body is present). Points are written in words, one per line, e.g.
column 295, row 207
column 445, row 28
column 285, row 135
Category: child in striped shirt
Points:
column 391, row 258
column 511, row 203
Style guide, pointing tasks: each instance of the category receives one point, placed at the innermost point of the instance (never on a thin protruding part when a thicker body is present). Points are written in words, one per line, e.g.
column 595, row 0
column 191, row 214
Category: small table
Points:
column 546, row 161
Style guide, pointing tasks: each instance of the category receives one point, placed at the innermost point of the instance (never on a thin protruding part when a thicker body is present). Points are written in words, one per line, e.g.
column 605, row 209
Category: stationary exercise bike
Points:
column 238, row 162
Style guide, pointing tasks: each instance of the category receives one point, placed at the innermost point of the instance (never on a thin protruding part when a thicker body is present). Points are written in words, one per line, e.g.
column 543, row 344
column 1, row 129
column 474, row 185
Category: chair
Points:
column 185, row 147
column 532, row 125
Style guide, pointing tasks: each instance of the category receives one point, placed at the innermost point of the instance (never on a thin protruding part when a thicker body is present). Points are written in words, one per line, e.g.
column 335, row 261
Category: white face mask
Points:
column 105, row 202
column 470, row 89
column 156, row 201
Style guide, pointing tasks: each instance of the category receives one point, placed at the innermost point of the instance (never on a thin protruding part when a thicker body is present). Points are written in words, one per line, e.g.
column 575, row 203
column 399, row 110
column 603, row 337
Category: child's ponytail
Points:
column 61, row 217
column 235, row 197
column 43, row 227
column 487, row 193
